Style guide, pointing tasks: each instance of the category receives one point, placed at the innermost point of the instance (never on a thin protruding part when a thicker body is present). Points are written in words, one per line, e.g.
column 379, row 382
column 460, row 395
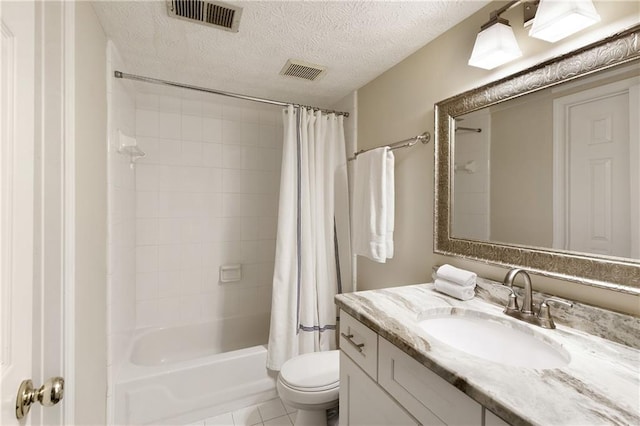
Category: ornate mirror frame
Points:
column 612, row 273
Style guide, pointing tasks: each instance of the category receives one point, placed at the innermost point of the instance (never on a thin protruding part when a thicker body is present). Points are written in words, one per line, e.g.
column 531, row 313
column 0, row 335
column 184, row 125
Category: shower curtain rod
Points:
column 120, row 74
column 406, row 143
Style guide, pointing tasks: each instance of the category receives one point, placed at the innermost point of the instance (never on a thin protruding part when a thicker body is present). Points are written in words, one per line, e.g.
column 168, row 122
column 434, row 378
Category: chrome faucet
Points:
column 526, row 313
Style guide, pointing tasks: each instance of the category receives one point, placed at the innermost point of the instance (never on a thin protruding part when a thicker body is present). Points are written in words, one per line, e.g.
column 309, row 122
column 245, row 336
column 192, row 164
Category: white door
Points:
column 597, row 170
column 599, row 190
column 30, row 319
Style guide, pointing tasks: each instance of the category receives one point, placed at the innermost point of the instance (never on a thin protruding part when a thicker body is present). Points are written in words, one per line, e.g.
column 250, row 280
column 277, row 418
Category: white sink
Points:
column 496, row 339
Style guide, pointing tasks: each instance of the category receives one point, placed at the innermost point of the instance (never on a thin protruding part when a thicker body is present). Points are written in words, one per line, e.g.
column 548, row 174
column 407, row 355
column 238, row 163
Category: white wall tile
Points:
column 147, row 101
column 146, row 285
column 170, row 125
column 147, row 123
column 146, row 258
column 169, row 283
column 211, row 109
column 191, row 128
column 212, row 155
column 191, row 107
column 169, row 152
column 147, row 204
column 146, row 231
column 211, row 130
column 146, row 177
column 170, row 104
column 169, row 257
column 147, row 313
column 192, row 153
column 231, row 229
column 170, row 230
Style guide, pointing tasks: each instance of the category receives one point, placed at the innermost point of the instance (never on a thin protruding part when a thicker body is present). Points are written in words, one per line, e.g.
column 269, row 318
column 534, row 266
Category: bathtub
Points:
column 183, row 374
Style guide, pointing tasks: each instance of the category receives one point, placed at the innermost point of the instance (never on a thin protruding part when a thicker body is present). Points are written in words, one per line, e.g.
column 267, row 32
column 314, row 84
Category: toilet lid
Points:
column 313, row 372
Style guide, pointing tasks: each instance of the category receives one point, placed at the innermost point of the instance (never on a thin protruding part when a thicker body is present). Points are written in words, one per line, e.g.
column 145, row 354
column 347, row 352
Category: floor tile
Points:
column 292, row 417
column 221, row 420
column 248, row 416
column 289, row 409
column 271, row 409
column 279, row 421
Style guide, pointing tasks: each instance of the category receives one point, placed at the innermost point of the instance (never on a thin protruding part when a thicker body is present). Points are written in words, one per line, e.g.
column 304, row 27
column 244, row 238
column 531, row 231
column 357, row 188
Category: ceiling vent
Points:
column 304, row 70
column 213, row 13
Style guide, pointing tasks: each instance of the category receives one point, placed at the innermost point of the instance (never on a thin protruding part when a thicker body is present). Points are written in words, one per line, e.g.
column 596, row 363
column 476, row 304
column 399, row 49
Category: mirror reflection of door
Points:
column 599, row 210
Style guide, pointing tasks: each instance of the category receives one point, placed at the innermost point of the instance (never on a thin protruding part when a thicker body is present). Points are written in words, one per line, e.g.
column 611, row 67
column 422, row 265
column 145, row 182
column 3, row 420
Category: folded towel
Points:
column 373, row 205
column 455, row 290
column 457, row 276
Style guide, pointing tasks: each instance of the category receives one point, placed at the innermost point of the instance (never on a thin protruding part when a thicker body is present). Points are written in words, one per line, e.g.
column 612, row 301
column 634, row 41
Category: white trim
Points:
column 69, row 212
column 561, row 107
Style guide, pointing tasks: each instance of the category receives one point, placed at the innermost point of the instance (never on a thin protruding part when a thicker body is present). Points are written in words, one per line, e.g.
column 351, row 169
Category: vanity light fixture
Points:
column 557, row 19
column 554, row 20
column 495, row 45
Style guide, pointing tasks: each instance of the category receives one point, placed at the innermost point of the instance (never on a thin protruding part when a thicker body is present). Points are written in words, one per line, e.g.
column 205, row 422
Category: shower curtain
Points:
column 307, row 270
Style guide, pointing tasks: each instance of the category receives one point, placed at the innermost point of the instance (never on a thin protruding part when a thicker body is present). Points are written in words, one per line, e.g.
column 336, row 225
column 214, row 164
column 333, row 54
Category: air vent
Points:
column 304, row 70
column 213, row 13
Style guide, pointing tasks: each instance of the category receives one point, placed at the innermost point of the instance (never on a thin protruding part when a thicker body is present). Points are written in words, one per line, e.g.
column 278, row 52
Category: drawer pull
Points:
column 349, row 338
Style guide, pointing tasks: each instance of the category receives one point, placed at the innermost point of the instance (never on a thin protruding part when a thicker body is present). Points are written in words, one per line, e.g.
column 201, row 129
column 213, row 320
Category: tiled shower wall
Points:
column 121, row 269
column 207, row 195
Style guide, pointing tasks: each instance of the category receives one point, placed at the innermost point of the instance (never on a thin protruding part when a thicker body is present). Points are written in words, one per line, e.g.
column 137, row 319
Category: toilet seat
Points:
column 312, row 372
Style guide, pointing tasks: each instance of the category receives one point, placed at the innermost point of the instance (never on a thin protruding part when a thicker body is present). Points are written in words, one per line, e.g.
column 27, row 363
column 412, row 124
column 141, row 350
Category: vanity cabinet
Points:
column 382, row 385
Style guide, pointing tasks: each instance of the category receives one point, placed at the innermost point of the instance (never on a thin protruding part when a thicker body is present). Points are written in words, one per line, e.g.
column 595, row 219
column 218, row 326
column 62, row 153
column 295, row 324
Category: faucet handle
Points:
column 512, row 304
column 544, row 315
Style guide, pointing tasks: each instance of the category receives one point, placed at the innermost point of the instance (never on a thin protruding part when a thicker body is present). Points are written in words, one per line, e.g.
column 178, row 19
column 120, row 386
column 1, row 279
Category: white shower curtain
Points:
column 306, row 275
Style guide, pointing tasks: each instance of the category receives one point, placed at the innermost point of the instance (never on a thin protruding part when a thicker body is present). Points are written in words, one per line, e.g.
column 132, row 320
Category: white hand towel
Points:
column 373, row 205
column 457, row 276
column 455, row 290
column 390, row 196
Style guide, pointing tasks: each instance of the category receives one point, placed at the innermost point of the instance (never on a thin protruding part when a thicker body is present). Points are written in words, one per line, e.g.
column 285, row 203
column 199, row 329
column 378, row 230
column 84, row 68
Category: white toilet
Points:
column 310, row 383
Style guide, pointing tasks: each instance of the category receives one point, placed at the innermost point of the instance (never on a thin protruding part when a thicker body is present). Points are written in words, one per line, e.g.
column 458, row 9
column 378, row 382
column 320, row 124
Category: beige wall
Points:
column 399, row 104
column 91, row 219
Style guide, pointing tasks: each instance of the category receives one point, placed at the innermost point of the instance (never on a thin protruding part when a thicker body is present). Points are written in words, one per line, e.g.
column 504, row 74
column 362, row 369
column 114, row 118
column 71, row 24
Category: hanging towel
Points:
column 373, row 205
column 454, row 290
column 458, row 276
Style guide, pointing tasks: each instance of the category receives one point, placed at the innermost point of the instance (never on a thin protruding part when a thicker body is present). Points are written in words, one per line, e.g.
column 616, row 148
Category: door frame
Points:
column 69, row 220
column 561, row 107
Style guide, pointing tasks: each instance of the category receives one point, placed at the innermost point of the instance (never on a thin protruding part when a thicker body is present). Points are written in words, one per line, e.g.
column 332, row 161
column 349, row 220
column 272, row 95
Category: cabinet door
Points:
column 363, row 403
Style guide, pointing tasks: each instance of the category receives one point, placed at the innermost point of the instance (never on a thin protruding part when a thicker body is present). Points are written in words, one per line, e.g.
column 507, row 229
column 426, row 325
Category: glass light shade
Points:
column 495, row 45
column 557, row 19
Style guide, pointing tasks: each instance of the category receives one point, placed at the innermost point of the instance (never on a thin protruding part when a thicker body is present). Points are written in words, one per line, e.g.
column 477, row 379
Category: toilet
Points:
column 310, row 383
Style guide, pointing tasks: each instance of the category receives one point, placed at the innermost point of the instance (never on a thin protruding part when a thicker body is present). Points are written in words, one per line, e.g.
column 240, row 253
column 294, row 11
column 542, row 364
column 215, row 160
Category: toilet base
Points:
column 311, row 418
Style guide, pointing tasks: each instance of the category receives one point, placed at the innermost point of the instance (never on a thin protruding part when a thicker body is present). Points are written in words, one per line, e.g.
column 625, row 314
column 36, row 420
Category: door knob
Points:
column 49, row 394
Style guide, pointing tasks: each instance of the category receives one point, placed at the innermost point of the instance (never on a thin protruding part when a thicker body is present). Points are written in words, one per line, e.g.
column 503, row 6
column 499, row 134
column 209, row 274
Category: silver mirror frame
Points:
column 617, row 274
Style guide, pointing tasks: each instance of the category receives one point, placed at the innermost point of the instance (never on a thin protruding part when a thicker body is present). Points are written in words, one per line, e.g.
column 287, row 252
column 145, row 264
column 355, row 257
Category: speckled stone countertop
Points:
column 599, row 386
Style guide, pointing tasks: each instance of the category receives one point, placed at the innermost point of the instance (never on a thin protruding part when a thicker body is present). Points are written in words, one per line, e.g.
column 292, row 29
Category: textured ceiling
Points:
column 355, row 40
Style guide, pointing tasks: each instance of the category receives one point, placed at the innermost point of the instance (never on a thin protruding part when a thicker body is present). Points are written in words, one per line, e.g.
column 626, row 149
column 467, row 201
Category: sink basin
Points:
column 496, row 339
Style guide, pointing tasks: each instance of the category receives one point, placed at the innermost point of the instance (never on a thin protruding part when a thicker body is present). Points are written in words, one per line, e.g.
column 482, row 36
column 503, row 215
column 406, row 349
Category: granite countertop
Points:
column 600, row 385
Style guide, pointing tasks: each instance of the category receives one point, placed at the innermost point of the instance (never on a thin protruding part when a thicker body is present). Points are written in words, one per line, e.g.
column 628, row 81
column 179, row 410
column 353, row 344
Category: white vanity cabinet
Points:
column 382, row 385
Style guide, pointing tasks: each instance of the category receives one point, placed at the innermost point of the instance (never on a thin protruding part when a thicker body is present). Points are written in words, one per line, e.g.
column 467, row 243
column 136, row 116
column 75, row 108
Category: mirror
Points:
column 542, row 169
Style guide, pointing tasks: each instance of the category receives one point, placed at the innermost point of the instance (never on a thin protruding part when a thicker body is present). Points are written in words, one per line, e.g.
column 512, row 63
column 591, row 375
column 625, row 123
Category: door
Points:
column 599, row 179
column 31, row 89
column 597, row 169
column 17, row 202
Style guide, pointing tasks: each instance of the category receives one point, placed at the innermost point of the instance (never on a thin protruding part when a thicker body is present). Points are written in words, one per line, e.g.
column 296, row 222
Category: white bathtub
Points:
column 182, row 374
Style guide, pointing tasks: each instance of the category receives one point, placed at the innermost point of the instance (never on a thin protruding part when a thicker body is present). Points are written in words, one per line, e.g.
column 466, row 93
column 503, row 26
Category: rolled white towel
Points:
column 455, row 290
column 458, row 276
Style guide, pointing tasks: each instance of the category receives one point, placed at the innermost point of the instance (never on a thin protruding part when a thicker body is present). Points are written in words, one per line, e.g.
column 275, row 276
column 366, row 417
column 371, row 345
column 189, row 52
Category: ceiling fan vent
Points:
column 213, row 13
column 304, row 70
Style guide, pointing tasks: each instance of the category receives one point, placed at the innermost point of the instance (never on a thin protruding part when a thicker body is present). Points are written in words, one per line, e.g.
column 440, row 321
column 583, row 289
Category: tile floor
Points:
column 269, row 413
